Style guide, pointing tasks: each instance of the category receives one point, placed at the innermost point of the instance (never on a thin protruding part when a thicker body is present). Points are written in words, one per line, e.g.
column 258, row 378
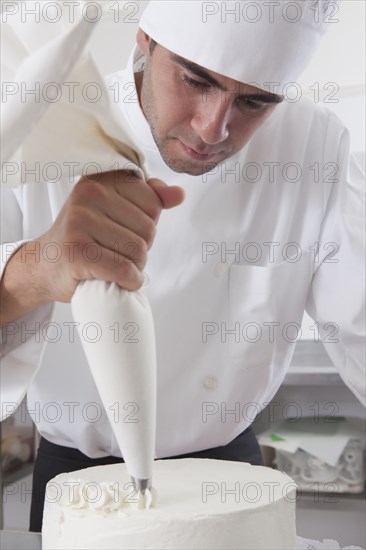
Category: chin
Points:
column 192, row 169
column 182, row 165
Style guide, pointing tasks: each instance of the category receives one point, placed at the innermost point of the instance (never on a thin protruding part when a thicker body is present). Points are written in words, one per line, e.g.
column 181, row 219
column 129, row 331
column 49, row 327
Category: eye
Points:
column 195, row 83
column 252, row 105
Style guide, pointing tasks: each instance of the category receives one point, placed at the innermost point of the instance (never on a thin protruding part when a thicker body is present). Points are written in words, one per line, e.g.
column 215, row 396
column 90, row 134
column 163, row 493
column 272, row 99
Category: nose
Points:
column 211, row 120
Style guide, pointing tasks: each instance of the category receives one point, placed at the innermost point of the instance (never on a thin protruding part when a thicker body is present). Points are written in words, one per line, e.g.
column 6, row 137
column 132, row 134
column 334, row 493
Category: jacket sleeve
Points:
column 336, row 300
column 22, row 341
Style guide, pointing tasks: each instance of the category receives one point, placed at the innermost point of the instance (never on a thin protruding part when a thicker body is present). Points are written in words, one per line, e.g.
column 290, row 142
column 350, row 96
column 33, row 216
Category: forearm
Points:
column 21, row 288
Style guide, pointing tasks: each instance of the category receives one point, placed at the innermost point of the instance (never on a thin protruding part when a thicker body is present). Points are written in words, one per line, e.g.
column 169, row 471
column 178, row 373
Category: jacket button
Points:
column 220, row 268
column 210, row 383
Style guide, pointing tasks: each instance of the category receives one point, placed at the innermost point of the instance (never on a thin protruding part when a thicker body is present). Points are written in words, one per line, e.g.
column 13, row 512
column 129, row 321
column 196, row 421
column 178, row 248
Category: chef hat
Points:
column 258, row 43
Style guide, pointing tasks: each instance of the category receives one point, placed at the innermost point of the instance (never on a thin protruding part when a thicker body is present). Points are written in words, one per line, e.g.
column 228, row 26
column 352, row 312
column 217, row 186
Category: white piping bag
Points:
column 122, row 356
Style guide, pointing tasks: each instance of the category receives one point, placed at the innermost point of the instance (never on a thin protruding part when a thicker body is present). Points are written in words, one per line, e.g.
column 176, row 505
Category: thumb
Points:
column 170, row 195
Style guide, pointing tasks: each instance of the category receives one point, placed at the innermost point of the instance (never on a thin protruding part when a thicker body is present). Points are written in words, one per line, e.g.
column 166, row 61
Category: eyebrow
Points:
column 263, row 96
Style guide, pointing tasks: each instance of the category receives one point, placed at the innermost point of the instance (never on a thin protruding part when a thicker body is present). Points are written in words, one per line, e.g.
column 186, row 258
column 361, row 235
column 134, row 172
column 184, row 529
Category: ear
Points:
column 143, row 42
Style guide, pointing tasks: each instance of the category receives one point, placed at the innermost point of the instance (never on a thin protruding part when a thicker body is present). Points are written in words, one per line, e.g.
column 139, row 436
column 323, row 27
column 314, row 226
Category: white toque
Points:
column 257, row 42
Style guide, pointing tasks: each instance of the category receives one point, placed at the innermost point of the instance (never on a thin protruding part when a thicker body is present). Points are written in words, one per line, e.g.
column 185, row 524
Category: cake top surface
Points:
column 183, row 486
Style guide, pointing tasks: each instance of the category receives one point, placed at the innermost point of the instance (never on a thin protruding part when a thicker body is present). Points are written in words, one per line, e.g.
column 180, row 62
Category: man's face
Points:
column 197, row 117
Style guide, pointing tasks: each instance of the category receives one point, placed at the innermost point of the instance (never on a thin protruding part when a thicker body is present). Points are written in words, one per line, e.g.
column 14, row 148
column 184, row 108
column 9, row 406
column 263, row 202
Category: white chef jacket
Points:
column 276, row 229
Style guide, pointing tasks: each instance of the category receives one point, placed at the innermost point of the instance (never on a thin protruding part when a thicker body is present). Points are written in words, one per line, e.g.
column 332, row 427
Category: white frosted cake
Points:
column 197, row 503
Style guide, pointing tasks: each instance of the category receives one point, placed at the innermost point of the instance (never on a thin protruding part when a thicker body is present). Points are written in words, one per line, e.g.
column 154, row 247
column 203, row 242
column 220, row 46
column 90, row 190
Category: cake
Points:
column 195, row 504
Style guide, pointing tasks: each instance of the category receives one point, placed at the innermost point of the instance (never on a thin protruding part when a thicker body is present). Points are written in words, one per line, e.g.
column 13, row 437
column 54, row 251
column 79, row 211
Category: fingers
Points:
column 120, row 240
column 132, row 217
column 141, row 195
column 115, row 215
column 116, row 268
column 150, row 196
column 169, row 195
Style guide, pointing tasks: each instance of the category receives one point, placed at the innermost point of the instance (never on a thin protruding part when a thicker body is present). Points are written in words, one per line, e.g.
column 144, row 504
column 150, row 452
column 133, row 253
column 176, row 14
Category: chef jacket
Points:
column 274, row 230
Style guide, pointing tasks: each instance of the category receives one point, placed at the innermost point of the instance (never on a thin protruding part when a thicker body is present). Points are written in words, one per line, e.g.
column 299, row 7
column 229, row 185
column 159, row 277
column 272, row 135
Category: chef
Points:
column 252, row 215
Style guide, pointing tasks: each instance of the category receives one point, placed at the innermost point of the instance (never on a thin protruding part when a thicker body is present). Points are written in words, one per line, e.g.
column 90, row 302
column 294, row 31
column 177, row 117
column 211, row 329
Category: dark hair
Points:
column 152, row 45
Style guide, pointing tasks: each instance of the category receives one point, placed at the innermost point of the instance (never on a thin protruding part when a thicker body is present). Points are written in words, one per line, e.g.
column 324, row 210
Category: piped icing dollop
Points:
column 106, row 496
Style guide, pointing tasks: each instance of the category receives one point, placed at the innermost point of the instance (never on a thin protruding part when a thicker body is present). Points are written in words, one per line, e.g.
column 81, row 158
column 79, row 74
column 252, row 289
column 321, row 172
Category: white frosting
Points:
column 104, row 497
column 203, row 504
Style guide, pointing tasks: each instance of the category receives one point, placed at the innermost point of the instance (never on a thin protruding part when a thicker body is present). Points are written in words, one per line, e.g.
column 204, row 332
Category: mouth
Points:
column 196, row 155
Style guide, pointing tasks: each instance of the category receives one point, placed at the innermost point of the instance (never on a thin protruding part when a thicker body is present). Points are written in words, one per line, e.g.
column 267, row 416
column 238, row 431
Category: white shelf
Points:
column 312, row 376
column 311, row 366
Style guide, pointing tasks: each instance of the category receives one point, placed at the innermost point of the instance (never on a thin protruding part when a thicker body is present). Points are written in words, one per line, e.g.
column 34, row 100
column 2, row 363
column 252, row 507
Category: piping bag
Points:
column 122, row 360
column 122, row 355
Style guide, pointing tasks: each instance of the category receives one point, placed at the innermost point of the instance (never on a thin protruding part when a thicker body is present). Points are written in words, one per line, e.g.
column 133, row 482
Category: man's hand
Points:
column 103, row 231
